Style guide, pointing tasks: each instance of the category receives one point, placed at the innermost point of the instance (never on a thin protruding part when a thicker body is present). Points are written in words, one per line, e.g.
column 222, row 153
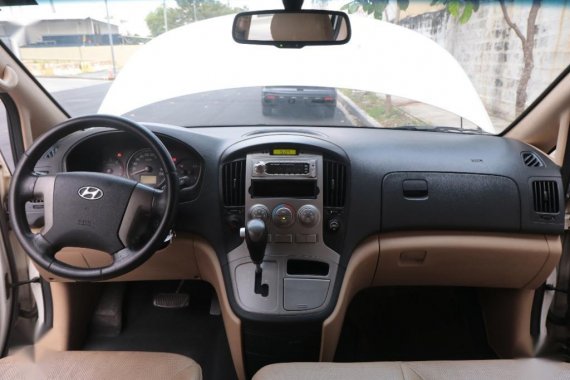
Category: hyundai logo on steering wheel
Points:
column 91, row 193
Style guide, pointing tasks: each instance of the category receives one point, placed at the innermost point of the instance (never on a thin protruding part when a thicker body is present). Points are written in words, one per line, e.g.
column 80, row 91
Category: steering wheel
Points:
column 119, row 216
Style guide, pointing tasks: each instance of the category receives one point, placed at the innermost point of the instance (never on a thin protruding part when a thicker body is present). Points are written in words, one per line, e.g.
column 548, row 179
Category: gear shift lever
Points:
column 256, row 240
column 255, row 234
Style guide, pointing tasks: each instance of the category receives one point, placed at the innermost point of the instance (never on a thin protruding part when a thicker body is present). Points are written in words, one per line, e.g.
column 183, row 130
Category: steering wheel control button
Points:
column 308, row 215
column 259, row 211
column 283, row 215
column 282, row 238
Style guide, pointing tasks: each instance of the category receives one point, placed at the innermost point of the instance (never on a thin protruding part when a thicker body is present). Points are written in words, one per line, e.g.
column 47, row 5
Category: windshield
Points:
column 453, row 66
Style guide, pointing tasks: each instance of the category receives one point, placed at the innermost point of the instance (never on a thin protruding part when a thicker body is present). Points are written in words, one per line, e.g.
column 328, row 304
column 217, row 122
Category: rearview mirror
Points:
column 292, row 29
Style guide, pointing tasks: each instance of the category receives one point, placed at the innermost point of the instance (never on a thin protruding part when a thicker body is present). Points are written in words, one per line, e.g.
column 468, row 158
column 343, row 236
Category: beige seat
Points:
column 100, row 365
column 522, row 369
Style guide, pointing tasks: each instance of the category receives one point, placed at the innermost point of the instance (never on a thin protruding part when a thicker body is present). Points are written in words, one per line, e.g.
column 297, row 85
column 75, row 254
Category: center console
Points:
column 296, row 271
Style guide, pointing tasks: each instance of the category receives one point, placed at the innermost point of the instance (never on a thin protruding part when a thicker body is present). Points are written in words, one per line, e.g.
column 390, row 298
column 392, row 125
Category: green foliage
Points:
column 375, row 7
column 155, row 20
column 184, row 14
column 460, row 9
column 403, row 4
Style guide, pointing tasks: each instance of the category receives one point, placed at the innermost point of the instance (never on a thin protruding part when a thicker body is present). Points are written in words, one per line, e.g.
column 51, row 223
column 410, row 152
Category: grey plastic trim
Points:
column 279, row 251
column 141, row 199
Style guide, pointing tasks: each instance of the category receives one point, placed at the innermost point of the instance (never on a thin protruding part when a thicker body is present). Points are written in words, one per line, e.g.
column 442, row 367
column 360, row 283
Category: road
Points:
column 78, row 97
column 224, row 107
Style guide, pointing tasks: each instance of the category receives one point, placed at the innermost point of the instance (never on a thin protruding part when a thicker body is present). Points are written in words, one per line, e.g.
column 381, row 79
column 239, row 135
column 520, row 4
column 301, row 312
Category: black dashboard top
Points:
column 373, row 181
column 473, row 182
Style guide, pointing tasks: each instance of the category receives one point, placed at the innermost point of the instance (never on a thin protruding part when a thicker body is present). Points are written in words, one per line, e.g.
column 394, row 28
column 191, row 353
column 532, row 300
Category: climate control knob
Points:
column 259, row 211
column 283, row 215
column 308, row 215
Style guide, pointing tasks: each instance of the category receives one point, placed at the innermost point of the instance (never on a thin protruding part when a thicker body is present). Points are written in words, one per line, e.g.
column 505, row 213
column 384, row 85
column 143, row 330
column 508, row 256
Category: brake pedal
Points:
column 175, row 300
column 171, row 300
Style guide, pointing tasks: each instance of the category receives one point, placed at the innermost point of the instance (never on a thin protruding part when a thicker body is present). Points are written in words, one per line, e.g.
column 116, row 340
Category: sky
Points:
column 128, row 14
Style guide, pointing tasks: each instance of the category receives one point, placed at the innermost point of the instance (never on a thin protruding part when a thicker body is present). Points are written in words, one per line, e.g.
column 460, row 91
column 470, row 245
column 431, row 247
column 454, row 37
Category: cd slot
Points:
column 284, row 188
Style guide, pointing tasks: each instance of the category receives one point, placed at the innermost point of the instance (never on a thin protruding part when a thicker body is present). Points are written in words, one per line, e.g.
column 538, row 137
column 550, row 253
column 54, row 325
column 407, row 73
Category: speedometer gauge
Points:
column 144, row 167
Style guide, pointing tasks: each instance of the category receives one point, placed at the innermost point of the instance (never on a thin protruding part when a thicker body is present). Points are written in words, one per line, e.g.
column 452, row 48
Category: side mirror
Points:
column 292, row 29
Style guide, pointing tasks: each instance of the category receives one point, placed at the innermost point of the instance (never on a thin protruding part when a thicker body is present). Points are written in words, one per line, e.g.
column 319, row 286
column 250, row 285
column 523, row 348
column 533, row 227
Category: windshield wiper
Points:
column 471, row 131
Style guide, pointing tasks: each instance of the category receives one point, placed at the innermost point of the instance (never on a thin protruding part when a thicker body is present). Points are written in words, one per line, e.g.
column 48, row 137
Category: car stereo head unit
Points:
column 285, row 167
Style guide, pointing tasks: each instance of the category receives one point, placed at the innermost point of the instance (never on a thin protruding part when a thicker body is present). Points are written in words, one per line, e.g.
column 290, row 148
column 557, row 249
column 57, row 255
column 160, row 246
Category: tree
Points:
column 187, row 11
column 528, row 49
column 155, row 20
column 462, row 10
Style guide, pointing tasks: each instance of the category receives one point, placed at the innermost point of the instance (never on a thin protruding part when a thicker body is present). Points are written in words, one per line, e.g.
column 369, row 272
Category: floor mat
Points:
column 405, row 323
column 190, row 331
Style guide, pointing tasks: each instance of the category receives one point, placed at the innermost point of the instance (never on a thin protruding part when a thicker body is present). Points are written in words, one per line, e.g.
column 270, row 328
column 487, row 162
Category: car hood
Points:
column 381, row 57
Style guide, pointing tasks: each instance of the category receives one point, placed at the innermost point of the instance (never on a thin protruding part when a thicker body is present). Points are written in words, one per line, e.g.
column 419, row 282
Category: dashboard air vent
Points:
column 233, row 183
column 334, row 183
column 545, row 195
column 51, row 152
column 531, row 160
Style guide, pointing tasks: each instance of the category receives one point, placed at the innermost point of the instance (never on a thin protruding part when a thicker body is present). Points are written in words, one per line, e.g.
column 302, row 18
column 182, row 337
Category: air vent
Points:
column 51, row 152
column 233, row 183
column 545, row 195
column 531, row 160
column 334, row 183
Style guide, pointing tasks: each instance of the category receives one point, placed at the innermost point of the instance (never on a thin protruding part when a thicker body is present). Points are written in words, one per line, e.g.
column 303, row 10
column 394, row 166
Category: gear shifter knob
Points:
column 256, row 240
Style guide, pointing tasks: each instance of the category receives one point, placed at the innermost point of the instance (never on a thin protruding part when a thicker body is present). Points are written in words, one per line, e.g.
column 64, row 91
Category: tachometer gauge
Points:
column 188, row 172
column 113, row 166
column 144, row 167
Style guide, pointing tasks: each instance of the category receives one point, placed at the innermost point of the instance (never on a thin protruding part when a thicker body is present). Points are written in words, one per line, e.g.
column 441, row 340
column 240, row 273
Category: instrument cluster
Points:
column 113, row 154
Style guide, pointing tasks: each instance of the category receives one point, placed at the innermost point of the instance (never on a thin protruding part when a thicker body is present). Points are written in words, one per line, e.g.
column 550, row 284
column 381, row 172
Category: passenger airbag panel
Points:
column 455, row 201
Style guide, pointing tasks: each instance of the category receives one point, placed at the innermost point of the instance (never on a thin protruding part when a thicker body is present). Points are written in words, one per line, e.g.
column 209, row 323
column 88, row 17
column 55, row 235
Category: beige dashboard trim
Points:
column 37, row 112
column 175, row 262
column 541, row 125
column 507, row 267
column 358, row 276
column 210, row 270
column 507, row 315
column 516, row 261
column 488, row 260
column 73, row 305
column 188, row 257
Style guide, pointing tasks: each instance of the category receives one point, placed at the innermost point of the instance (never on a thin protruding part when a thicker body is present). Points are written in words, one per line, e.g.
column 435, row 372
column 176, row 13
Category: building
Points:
column 12, row 34
column 70, row 32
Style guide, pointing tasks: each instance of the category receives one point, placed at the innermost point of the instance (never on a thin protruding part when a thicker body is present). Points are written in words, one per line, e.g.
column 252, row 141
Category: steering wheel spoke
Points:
column 138, row 215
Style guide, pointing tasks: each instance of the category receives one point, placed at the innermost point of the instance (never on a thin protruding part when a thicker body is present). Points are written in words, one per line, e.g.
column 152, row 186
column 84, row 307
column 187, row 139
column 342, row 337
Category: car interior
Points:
column 293, row 252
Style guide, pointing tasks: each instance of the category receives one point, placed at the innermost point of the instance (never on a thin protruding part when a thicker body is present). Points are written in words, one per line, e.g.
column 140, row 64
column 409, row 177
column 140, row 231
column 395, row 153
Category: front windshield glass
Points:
column 453, row 66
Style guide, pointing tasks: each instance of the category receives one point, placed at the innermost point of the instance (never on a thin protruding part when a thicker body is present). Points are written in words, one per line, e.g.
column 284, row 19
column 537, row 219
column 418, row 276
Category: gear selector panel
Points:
column 284, row 192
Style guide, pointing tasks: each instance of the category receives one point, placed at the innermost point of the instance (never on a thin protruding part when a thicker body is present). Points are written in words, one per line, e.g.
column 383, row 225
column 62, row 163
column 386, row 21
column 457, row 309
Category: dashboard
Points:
column 322, row 191
column 344, row 209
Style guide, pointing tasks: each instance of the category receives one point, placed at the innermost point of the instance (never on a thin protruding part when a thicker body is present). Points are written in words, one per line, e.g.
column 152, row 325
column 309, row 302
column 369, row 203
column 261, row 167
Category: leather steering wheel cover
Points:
column 16, row 200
